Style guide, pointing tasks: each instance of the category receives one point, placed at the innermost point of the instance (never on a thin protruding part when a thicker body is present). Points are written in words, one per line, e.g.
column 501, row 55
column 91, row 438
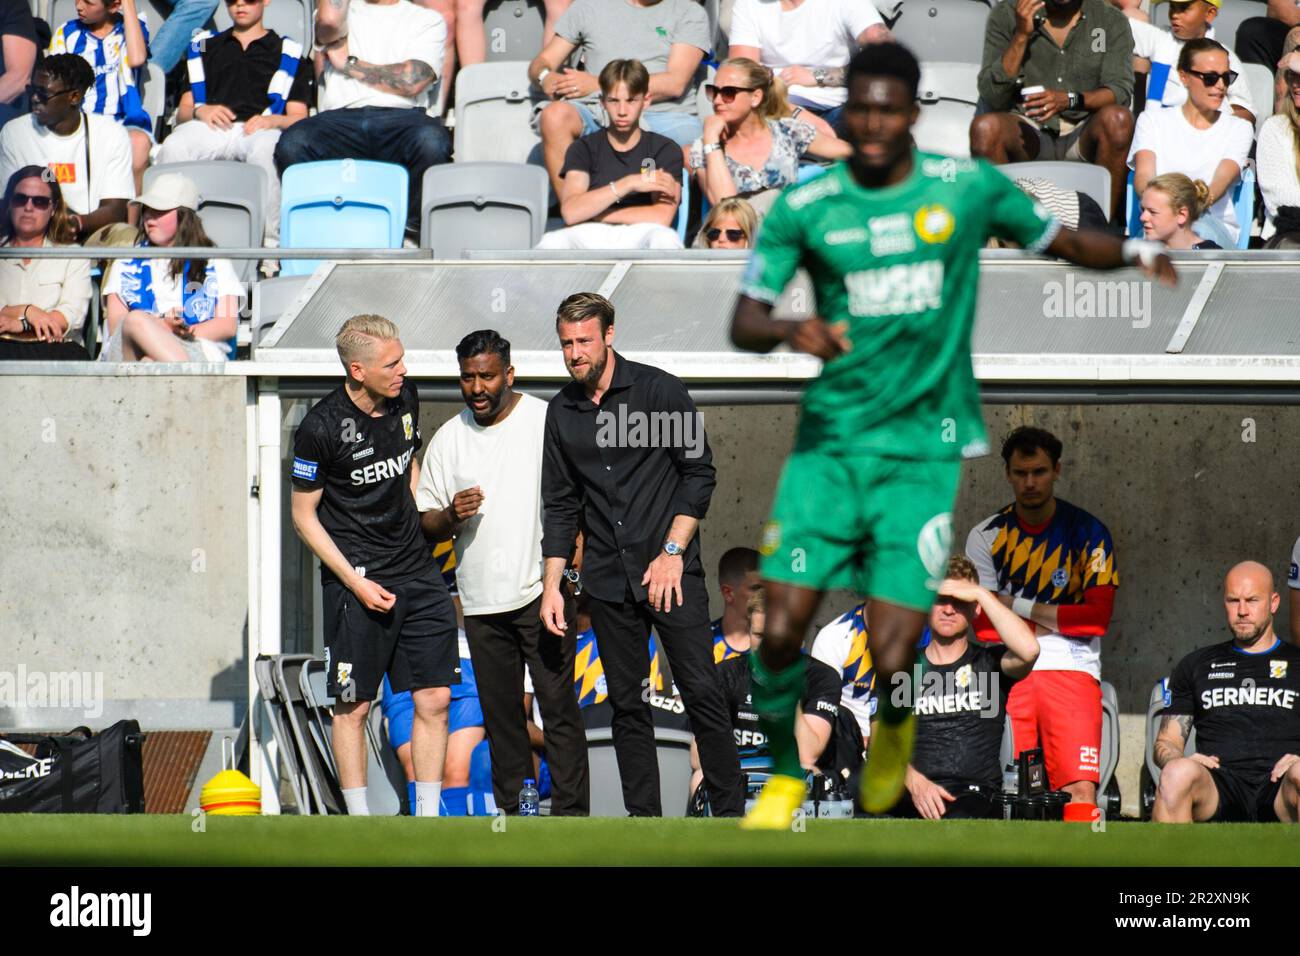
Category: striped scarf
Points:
column 199, row 302
column 281, row 81
column 115, row 92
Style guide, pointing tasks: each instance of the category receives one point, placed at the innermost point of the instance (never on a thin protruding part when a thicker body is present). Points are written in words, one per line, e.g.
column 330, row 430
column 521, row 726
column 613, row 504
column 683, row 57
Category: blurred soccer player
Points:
column 891, row 239
column 387, row 609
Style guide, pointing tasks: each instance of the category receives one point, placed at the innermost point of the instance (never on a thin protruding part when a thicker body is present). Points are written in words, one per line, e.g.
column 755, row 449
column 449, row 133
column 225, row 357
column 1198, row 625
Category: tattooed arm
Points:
column 331, row 21
column 408, row 78
column 1171, row 739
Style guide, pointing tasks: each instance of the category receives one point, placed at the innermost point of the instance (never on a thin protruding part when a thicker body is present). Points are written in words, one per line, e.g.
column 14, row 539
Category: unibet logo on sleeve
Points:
column 304, row 469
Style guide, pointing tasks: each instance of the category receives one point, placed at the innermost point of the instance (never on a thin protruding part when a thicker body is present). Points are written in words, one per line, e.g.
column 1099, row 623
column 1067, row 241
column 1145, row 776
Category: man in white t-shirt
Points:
column 808, row 43
column 1188, row 20
column 380, row 77
column 1293, row 587
column 481, row 485
column 88, row 155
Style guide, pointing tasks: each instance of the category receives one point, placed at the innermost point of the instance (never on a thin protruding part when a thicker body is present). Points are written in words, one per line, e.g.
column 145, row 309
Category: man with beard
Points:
column 626, row 453
column 481, row 485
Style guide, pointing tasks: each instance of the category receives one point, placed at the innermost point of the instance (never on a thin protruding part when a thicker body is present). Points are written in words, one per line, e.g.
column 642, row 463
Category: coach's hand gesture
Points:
column 373, row 596
column 663, row 579
column 815, row 336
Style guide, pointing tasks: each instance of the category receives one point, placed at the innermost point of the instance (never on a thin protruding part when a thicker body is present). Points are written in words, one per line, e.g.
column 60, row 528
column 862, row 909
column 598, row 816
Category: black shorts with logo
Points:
column 1244, row 797
column 415, row 642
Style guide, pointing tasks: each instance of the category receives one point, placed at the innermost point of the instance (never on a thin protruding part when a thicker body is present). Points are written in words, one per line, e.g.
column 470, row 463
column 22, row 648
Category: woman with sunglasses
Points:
column 1278, row 160
column 1171, row 204
column 731, row 224
column 171, row 310
column 1199, row 139
column 752, row 145
column 44, row 300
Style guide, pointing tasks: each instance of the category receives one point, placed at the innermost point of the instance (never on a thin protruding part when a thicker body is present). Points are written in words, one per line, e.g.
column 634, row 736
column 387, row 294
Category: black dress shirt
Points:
column 626, row 467
column 238, row 79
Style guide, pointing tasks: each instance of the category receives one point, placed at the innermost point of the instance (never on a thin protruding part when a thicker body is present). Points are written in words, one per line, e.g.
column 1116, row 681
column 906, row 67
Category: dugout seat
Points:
column 943, row 30
column 273, row 713
column 232, row 203
column 1108, row 758
column 674, row 752
column 322, row 782
column 494, row 102
column 482, row 206
column 1085, row 178
column 341, row 203
column 1150, row 776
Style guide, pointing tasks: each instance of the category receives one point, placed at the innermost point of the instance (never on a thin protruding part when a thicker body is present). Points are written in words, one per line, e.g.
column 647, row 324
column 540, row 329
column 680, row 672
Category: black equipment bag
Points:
column 74, row 773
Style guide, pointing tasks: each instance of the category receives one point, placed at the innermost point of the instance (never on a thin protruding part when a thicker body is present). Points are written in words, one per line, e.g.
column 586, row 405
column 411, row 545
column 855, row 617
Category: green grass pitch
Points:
column 32, row 839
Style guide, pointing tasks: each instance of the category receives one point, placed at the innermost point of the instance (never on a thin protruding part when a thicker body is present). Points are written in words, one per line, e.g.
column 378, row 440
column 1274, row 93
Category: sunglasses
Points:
column 733, row 235
column 1212, row 79
column 1292, row 78
column 728, row 93
column 38, row 94
column 20, row 200
column 251, row 3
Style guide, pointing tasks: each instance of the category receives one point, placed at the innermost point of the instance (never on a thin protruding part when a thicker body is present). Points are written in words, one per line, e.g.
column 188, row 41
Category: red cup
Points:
column 1080, row 812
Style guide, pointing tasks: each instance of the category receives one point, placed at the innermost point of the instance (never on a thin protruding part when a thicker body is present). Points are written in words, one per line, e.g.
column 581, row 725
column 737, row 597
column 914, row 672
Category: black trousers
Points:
column 499, row 645
column 622, row 634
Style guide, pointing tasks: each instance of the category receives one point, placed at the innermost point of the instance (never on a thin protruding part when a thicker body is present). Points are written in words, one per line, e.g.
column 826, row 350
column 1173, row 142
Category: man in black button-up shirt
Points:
column 627, row 459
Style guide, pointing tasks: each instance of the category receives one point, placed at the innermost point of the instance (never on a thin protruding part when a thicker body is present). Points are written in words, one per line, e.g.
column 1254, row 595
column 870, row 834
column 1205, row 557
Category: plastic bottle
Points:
column 528, row 798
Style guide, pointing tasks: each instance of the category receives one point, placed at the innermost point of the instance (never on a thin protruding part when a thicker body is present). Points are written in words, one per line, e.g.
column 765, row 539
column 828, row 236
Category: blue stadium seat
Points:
column 684, row 207
column 1243, row 203
column 341, row 203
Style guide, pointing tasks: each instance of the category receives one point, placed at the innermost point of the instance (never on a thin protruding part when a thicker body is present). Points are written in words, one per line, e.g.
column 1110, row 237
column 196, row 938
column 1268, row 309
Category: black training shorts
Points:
column 1244, row 797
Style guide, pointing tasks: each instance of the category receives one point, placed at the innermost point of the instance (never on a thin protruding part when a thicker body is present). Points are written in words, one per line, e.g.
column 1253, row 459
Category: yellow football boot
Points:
column 887, row 760
column 776, row 804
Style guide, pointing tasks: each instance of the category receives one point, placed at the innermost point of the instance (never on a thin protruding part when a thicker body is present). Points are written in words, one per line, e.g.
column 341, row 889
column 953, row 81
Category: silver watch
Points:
column 819, row 75
column 672, row 548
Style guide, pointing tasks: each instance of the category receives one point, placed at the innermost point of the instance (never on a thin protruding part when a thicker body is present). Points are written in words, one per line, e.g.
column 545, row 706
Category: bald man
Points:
column 1243, row 698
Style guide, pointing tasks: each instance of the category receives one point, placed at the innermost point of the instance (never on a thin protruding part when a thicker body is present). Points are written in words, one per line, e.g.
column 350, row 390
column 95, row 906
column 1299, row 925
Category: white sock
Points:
column 428, row 797
column 355, row 799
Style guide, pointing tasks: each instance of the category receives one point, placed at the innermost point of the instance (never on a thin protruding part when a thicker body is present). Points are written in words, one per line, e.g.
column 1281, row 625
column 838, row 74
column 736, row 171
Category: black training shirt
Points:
column 596, row 156
column 239, row 79
column 961, row 712
column 626, row 467
column 363, row 463
column 1245, row 707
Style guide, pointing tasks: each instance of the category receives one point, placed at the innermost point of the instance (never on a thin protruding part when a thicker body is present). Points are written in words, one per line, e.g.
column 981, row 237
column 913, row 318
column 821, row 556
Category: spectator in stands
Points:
column 471, row 41
column 114, row 39
column 961, row 701
column 1196, row 139
column 17, row 57
column 843, row 645
column 242, row 89
column 172, row 310
column 1070, row 595
column 621, row 185
column 737, row 580
column 380, row 75
column 1293, row 587
column 89, row 155
column 670, row 37
column 1243, row 699
column 731, row 224
column 1159, row 49
column 186, row 19
column 1277, row 163
column 1269, row 39
column 808, row 43
column 1171, row 204
column 1082, row 112
column 751, row 147
column 447, row 10
column 43, row 302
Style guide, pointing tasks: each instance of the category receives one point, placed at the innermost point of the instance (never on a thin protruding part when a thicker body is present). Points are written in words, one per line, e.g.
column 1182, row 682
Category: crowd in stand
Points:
column 635, row 101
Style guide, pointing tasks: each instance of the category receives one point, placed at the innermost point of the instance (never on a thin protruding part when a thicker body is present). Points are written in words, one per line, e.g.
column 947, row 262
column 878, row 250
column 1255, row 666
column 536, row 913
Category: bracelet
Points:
column 710, row 148
column 617, row 197
column 27, row 326
column 1023, row 607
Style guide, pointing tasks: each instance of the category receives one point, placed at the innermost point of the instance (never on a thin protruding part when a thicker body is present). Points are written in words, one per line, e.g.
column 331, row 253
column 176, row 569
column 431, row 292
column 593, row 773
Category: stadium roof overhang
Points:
column 1045, row 331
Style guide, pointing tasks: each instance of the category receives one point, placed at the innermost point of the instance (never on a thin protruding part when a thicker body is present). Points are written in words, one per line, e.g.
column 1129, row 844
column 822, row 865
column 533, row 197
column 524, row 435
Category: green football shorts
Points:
column 879, row 526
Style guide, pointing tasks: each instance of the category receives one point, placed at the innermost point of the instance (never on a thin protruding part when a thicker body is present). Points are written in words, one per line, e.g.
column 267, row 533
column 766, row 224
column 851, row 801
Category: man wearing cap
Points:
column 89, row 155
column 1188, row 20
column 1053, row 93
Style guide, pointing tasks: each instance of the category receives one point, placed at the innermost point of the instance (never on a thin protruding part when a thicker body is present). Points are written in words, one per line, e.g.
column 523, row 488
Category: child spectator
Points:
column 731, row 224
column 1278, row 162
column 172, row 310
column 1171, row 204
column 242, row 87
column 43, row 302
column 114, row 40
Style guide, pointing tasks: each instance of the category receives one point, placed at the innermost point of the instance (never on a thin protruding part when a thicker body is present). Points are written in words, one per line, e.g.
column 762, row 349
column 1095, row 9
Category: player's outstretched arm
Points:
column 1100, row 250
column 754, row 329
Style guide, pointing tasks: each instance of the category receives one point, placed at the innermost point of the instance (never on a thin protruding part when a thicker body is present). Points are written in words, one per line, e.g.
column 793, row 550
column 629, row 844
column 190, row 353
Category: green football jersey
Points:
column 901, row 266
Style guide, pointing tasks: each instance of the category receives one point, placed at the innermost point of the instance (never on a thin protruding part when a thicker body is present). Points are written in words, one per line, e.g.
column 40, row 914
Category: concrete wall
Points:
column 123, row 501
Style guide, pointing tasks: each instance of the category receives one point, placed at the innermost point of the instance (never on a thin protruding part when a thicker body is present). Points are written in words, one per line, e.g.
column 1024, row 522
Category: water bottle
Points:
column 528, row 799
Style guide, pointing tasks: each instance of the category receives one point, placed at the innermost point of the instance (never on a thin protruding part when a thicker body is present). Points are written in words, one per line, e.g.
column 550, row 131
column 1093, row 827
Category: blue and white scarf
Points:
column 115, row 92
column 199, row 303
column 277, row 92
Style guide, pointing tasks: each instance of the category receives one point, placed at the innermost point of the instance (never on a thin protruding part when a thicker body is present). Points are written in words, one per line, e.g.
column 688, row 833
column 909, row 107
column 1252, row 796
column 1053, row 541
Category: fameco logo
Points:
column 76, row 909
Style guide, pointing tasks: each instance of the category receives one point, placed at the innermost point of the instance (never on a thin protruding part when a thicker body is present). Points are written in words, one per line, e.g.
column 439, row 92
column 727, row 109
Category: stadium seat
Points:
column 153, row 93
column 944, row 124
column 322, row 783
column 514, row 29
column 292, row 18
column 271, row 299
column 1259, row 79
column 231, row 203
column 493, row 106
column 1243, row 203
column 1085, row 178
column 684, row 207
column 345, row 204
column 943, row 30
column 482, row 206
column 674, row 751
column 1159, row 700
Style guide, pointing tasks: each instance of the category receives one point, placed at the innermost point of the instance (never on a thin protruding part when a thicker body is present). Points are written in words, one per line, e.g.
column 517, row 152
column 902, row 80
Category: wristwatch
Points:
column 710, row 147
column 1075, row 101
column 352, row 61
column 819, row 75
column 672, row 548
column 541, row 77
